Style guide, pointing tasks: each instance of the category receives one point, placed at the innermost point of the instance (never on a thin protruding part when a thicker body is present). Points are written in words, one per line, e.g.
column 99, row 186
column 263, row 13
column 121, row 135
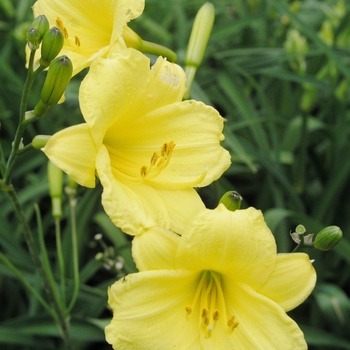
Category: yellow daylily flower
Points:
column 229, row 289
column 148, row 147
column 91, row 28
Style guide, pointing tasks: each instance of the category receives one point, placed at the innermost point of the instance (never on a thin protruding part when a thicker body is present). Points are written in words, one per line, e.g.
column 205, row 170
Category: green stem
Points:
column 301, row 244
column 46, row 262
column 50, row 294
column 2, row 161
column 158, row 50
column 25, row 149
column 22, row 113
column 76, row 277
column 60, row 258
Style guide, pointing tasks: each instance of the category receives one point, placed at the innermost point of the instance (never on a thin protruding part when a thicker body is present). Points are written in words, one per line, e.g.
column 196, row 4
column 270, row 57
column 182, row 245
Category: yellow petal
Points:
column 126, row 78
column 166, row 85
column 291, row 281
column 235, row 243
column 262, row 323
column 149, row 311
column 197, row 157
column 89, row 27
column 155, row 249
column 136, row 207
column 72, row 150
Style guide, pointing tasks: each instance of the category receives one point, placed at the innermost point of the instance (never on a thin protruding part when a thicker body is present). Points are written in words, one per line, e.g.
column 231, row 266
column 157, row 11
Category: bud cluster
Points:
column 324, row 240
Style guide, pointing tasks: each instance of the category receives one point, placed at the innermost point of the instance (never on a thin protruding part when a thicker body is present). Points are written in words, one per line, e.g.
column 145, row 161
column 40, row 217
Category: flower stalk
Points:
column 53, row 302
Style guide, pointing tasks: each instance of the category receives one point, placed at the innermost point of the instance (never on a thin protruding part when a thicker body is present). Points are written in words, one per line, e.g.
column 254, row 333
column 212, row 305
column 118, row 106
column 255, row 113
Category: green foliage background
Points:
column 279, row 72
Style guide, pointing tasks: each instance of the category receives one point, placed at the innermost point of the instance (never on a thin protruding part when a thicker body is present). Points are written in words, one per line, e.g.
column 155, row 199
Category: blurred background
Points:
column 278, row 71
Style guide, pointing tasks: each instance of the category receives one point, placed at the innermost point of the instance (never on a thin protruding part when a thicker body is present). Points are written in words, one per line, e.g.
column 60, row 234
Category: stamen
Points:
column 211, row 304
column 197, row 294
column 158, row 161
column 143, row 171
column 232, row 324
column 60, row 26
column 77, row 41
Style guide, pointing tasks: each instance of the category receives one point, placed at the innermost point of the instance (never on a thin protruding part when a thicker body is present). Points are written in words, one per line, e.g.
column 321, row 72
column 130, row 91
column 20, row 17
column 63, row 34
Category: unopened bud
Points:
column 201, row 30
column 40, row 141
column 33, row 38
column 41, row 24
column 328, row 238
column 55, row 175
column 300, row 229
column 231, row 200
column 51, row 46
column 56, row 82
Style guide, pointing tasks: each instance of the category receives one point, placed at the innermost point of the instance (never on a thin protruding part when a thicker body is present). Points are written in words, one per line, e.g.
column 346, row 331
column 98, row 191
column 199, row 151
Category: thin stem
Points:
column 158, row 50
column 46, row 262
column 300, row 245
column 25, row 149
column 22, row 114
column 50, row 294
column 76, row 277
column 60, row 258
column 2, row 161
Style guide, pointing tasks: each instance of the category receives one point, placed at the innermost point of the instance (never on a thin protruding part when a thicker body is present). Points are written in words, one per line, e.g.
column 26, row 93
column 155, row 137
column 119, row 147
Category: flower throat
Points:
column 210, row 299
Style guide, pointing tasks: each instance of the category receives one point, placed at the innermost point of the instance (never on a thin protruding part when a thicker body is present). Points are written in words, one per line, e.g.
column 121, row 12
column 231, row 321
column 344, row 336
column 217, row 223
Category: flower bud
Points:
column 300, row 229
column 51, row 46
column 41, row 24
column 231, row 200
column 201, row 30
column 56, row 82
column 328, row 238
column 40, row 141
column 33, row 38
column 55, row 175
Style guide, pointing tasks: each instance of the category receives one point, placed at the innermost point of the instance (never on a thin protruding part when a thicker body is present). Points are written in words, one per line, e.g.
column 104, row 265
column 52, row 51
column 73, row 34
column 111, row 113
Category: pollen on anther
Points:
column 77, row 41
column 216, row 315
column 163, row 149
column 60, row 26
column 154, row 158
column 188, row 310
column 232, row 323
column 143, row 171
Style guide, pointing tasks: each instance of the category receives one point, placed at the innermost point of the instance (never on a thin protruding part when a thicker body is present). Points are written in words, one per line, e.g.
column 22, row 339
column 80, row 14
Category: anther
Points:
column 63, row 29
column 77, row 41
column 143, row 171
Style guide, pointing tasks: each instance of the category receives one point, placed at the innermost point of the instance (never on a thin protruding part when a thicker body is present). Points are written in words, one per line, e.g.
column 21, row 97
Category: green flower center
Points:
column 210, row 299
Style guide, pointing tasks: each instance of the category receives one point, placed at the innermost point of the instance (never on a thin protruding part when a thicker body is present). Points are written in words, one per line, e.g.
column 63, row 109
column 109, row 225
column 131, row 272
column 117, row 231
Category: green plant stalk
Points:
column 76, row 277
column 31, row 75
column 50, row 293
column 60, row 258
column 46, row 262
column 2, row 161
column 158, row 50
